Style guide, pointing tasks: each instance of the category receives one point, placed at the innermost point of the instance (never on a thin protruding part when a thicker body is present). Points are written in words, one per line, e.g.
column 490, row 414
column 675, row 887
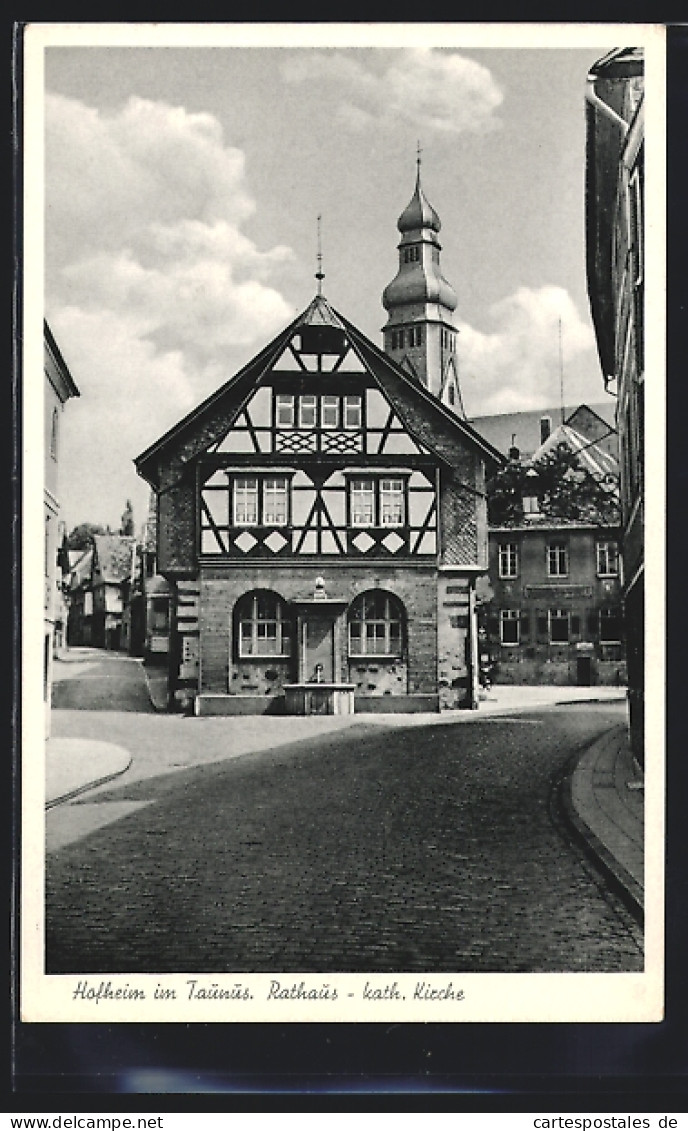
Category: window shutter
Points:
column 592, row 625
column 542, row 626
column 493, row 627
column 525, row 625
column 575, row 626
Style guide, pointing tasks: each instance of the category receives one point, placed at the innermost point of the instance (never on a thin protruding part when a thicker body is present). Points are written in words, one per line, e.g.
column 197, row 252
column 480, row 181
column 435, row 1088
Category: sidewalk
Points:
column 605, row 801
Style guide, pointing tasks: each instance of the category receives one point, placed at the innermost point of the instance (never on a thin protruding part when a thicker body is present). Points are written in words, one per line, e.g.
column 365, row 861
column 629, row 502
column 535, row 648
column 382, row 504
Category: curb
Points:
column 619, row 878
column 591, row 699
column 156, row 706
column 78, row 790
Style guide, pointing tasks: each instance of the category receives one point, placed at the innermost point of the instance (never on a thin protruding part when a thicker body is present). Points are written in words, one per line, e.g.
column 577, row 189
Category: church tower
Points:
column 420, row 334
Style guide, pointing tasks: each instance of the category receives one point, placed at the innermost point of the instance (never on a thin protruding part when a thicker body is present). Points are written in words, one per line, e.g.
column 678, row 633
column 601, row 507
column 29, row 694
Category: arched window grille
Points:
column 263, row 626
column 376, row 625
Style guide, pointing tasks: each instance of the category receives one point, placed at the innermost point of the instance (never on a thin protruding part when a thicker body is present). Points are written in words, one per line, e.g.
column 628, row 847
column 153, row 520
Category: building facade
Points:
column 553, row 612
column 58, row 387
column 321, row 524
column 615, row 268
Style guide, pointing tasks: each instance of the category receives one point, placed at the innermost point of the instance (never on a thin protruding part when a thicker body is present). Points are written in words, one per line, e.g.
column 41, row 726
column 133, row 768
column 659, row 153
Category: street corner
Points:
column 74, row 765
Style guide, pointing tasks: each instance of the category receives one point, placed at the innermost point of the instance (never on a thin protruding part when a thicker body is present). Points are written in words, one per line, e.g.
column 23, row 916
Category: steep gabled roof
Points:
column 588, row 455
column 208, row 422
column 113, row 556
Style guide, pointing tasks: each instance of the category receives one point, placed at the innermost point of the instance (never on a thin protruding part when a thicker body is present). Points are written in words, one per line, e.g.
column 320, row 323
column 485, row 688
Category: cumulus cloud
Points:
column 430, row 88
column 151, row 284
column 433, row 89
column 515, row 365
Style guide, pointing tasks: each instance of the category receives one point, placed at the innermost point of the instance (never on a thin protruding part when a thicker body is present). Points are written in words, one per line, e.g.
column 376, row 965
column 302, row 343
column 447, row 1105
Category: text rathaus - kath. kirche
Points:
column 322, row 517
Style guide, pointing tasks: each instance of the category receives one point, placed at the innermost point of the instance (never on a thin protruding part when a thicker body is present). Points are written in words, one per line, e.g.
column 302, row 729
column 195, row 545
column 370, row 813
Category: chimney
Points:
column 545, row 428
column 513, row 450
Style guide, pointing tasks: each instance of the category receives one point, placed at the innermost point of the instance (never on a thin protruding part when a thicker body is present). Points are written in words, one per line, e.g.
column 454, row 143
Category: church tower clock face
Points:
column 420, row 333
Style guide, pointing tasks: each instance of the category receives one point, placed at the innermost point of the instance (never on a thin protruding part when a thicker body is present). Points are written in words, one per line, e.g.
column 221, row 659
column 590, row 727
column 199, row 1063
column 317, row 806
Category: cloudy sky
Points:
column 182, row 187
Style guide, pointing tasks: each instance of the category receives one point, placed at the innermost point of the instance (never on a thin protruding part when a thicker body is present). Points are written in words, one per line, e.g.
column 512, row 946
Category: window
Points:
column 246, row 502
column 308, row 408
column 159, row 621
column 285, row 416
column 416, row 336
column 275, row 501
column 353, row 412
column 377, row 502
column 391, row 502
column 557, row 559
column 330, row 412
column 261, row 502
column 263, row 625
column 375, row 625
column 508, row 626
column 363, row 502
column 607, row 559
column 559, row 626
column 451, row 395
column 508, row 559
column 610, row 626
column 531, row 504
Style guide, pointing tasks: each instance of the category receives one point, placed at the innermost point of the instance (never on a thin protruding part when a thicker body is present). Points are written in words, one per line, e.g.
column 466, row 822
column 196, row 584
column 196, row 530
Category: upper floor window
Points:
column 411, row 254
column 607, row 559
column 353, row 412
column 308, row 411
column 508, row 559
column 285, row 415
column 375, row 625
column 377, row 502
column 260, row 500
column 328, row 411
column 557, row 559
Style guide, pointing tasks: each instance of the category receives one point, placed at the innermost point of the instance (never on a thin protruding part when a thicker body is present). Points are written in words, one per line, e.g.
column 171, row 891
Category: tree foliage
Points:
column 566, row 492
column 81, row 537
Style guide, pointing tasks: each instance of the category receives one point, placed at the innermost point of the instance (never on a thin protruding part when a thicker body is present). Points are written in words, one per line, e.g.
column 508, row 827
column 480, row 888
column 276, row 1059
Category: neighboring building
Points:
column 80, row 598
column 553, row 613
column 321, row 523
column 528, row 430
column 146, row 598
column 58, row 387
column 615, row 267
column 113, row 561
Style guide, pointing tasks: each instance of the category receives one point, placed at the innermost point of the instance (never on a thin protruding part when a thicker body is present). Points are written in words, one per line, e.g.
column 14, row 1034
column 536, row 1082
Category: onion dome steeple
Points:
column 420, row 333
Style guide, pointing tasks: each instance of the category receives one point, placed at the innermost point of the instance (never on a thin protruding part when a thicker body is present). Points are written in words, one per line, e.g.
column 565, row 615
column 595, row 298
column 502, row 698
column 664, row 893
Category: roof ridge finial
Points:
column 419, row 152
column 319, row 274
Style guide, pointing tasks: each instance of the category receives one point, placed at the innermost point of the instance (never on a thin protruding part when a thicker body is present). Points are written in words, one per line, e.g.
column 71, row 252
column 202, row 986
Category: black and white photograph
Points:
column 347, row 705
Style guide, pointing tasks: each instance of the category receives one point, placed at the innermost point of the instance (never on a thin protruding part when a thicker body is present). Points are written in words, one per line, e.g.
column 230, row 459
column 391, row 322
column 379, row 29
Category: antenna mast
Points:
column 561, row 375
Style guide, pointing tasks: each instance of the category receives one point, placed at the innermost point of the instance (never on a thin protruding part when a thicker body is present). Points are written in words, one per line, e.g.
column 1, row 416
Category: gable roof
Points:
column 201, row 427
column 522, row 429
column 113, row 556
column 598, row 462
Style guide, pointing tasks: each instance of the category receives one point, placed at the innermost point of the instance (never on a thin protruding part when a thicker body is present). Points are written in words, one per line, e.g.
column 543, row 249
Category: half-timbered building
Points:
column 322, row 523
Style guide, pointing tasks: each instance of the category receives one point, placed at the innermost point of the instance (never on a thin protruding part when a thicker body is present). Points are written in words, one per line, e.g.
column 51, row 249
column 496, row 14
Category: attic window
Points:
column 320, row 340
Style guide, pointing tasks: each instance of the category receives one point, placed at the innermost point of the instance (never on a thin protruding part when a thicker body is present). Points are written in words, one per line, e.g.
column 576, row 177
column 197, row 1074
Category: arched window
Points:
column 376, row 625
column 262, row 625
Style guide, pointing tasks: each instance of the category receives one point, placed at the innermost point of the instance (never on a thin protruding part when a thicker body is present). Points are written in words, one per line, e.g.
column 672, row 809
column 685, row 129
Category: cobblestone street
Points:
column 403, row 846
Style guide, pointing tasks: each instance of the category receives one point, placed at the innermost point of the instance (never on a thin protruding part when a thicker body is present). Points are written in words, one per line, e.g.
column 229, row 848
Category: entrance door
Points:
column 317, row 658
column 584, row 671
